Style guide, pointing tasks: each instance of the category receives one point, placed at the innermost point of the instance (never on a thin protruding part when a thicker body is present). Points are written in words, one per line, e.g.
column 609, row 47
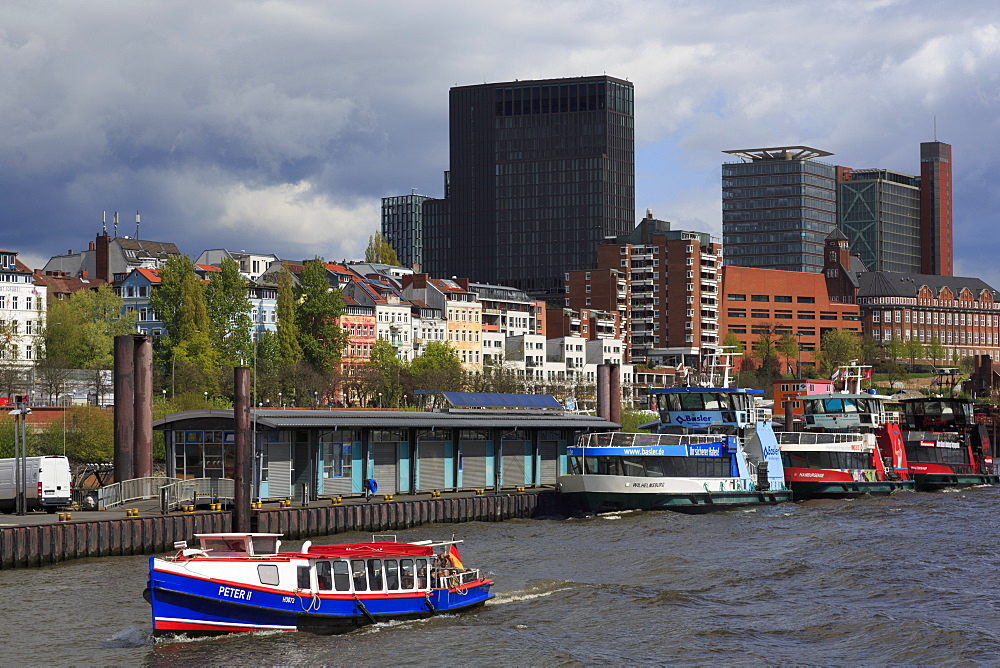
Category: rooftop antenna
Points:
column 137, row 224
column 116, row 224
column 104, row 223
column 935, row 127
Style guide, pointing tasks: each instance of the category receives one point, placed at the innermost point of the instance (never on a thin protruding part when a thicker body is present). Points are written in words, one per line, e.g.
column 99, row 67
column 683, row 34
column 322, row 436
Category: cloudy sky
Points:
column 276, row 126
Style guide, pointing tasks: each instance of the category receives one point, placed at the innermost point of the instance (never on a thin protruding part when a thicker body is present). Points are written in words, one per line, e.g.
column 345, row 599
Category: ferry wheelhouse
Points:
column 710, row 449
column 243, row 582
column 944, row 444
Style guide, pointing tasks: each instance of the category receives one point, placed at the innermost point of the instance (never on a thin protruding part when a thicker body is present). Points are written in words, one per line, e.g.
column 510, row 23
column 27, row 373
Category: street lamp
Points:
column 281, row 401
column 316, row 397
column 206, row 396
column 380, row 400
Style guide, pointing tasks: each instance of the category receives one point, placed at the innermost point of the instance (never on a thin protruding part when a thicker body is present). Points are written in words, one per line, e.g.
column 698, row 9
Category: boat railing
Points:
column 184, row 492
column 891, row 416
column 951, row 436
column 465, row 577
column 619, row 439
column 815, row 438
column 135, row 489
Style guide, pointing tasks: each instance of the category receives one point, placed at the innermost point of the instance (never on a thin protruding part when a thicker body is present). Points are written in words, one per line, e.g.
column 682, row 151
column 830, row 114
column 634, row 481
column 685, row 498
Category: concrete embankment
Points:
column 48, row 542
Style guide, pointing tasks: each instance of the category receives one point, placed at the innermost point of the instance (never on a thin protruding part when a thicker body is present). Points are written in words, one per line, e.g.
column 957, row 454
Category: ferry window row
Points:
column 704, row 401
column 654, row 467
column 932, row 454
column 827, row 460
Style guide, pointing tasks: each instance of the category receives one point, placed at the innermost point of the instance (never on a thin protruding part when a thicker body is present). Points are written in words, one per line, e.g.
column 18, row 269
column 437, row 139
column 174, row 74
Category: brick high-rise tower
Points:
column 935, row 209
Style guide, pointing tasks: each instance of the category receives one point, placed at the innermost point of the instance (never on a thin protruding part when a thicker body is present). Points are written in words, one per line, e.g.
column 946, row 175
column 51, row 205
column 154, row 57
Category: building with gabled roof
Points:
column 252, row 265
column 107, row 256
column 23, row 304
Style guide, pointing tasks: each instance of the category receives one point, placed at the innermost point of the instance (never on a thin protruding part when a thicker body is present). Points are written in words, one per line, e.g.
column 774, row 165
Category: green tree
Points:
column 319, row 306
column 871, row 349
column 437, row 368
column 914, row 350
column 381, row 251
column 179, row 300
column 935, row 350
column 289, row 350
column 89, row 435
column 11, row 370
column 228, row 312
column 895, row 349
column 788, row 346
column 80, row 331
column 384, row 377
column 838, row 347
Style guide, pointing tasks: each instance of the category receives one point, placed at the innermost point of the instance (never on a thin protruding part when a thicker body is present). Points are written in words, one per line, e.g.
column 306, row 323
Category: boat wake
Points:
column 520, row 596
column 133, row 636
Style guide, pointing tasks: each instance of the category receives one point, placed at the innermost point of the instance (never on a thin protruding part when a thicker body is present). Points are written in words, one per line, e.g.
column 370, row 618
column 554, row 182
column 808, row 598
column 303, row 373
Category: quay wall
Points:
column 44, row 544
column 297, row 523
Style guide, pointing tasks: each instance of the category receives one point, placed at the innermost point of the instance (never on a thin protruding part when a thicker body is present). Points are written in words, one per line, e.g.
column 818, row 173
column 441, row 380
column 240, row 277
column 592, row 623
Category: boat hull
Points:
column 195, row 606
column 846, row 489
column 929, row 482
column 690, row 502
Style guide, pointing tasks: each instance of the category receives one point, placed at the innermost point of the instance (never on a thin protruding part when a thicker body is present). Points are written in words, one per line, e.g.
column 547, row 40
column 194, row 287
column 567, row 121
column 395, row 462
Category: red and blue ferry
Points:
column 241, row 582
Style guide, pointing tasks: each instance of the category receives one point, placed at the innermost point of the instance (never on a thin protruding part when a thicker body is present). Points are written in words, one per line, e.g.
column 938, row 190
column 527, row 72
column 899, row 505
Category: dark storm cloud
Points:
column 277, row 126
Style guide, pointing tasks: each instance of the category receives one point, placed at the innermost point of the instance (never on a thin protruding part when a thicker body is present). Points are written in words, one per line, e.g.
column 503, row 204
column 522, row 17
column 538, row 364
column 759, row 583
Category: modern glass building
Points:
column 778, row 206
column 880, row 215
column 541, row 173
column 403, row 227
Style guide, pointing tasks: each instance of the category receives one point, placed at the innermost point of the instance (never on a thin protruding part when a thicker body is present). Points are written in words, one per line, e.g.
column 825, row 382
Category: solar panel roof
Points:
column 496, row 400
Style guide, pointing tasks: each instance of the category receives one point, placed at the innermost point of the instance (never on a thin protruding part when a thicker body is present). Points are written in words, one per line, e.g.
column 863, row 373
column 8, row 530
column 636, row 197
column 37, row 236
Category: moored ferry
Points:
column 684, row 472
column 821, row 465
column 712, row 448
column 243, row 582
column 945, row 447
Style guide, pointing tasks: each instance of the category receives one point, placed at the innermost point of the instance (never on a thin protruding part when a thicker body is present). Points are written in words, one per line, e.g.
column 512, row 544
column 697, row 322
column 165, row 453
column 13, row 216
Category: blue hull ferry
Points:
column 242, row 582
column 711, row 449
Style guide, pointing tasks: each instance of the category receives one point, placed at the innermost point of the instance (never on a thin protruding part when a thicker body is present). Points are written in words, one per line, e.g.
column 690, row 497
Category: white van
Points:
column 49, row 483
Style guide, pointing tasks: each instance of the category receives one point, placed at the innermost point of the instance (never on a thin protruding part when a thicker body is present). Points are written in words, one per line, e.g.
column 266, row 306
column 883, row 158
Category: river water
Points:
column 905, row 579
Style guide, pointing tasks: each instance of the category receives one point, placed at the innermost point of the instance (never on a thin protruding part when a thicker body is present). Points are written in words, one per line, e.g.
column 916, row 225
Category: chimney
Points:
column 90, row 248
column 85, row 275
column 103, row 258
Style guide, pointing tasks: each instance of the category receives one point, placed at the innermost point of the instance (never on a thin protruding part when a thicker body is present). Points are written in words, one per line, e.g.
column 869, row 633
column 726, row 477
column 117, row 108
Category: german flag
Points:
column 456, row 561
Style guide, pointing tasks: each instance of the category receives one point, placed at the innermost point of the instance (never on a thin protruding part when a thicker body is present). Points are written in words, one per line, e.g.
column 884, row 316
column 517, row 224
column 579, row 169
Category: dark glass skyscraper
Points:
column 403, row 227
column 778, row 207
column 880, row 215
column 541, row 172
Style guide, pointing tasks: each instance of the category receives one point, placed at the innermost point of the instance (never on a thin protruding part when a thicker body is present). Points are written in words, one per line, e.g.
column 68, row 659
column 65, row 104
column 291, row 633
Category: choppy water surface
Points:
column 905, row 579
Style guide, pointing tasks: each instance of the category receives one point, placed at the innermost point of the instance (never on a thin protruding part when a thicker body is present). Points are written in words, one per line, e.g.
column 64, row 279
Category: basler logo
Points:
column 692, row 419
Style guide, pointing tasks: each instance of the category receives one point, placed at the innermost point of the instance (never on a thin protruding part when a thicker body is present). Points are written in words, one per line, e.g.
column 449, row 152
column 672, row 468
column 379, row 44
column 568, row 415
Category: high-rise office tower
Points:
column 935, row 208
column 541, row 173
column 403, row 227
column 879, row 213
column 778, row 206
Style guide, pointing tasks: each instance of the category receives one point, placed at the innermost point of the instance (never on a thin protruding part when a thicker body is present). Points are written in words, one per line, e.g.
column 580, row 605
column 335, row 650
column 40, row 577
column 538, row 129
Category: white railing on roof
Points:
column 816, row 438
column 619, row 439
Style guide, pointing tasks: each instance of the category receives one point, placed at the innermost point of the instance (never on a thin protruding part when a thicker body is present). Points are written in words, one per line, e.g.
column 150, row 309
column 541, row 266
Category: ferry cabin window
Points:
column 391, row 574
column 573, row 466
column 659, row 467
column 302, row 578
column 408, row 573
column 421, row 573
column 827, row 460
column 264, row 544
column 324, row 575
column 359, row 574
column 375, row 574
column 933, row 454
column 342, row 576
column 268, row 574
